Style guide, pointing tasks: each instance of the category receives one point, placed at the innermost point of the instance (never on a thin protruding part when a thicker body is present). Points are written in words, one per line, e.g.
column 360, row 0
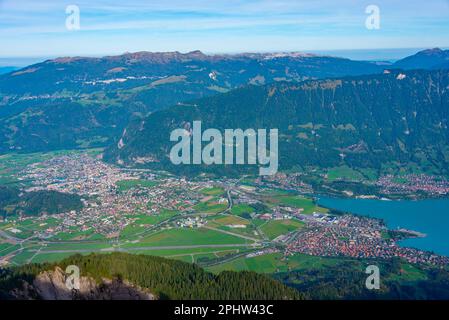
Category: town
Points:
column 127, row 209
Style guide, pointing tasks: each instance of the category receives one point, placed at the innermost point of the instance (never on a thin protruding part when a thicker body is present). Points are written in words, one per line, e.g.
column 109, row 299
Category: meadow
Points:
column 186, row 237
column 274, row 228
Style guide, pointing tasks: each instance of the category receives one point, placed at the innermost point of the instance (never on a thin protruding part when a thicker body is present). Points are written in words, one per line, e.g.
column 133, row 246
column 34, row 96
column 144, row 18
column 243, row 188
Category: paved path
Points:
column 232, row 233
column 146, row 248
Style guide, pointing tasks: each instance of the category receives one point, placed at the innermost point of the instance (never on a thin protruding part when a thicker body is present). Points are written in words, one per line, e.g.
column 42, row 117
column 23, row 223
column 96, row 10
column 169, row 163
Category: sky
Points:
column 37, row 28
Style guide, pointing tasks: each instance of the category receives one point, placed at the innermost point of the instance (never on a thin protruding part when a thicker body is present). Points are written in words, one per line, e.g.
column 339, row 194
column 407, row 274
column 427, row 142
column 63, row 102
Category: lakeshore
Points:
column 427, row 218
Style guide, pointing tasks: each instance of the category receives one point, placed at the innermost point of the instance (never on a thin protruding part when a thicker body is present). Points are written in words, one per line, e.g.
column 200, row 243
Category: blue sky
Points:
column 36, row 28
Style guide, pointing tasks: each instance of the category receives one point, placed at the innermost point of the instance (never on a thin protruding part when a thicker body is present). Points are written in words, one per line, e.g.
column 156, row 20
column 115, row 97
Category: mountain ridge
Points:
column 85, row 102
column 76, row 102
column 360, row 121
column 143, row 275
column 435, row 58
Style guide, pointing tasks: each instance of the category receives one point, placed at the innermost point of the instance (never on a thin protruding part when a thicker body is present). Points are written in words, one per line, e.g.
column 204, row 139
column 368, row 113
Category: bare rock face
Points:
column 51, row 285
column 111, row 290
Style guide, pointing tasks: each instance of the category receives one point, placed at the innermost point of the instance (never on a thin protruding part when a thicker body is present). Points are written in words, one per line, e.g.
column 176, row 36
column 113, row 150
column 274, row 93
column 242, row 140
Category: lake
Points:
column 427, row 216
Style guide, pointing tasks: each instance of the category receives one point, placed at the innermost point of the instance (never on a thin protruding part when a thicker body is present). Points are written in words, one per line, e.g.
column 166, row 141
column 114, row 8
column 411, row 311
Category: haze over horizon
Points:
column 390, row 54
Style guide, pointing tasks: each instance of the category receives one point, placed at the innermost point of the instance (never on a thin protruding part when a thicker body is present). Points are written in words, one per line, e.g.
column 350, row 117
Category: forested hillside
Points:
column 79, row 102
column 399, row 118
column 166, row 279
column 12, row 201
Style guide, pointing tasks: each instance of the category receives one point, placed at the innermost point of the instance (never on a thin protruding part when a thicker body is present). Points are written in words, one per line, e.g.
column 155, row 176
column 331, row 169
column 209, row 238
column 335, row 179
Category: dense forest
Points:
column 167, row 279
column 172, row 279
column 375, row 121
column 13, row 201
column 346, row 280
column 87, row 108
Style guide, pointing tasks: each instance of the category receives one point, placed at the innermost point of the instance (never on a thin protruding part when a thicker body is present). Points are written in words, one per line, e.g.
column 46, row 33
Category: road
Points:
column 232, row 233
column 148, row 248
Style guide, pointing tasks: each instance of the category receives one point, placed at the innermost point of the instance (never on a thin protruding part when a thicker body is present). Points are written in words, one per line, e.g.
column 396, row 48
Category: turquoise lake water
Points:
column 427, row 216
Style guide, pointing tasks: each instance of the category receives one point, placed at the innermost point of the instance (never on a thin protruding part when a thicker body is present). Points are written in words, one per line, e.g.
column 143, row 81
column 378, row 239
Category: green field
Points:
column 131, row 230
column 271, row 263
column 143, row 221
column 76, row 246
column 213, row 191
column 181, row 252
column 7, row 248
column 210, row 207
column 274, row 228
column 41, row 224
column 229, row 223
column 185, row 237
column 53, row 257
column 223, row 220
column 192, row 255
column 409, row 272
column 344, row 173
column 154, row 219
column 308, row 205
column 241, row 209
column 23, row 257
column 125, row 185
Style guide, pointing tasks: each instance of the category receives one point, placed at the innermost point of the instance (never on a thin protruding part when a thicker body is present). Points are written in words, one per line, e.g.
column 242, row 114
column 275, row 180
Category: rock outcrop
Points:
column 51, row 285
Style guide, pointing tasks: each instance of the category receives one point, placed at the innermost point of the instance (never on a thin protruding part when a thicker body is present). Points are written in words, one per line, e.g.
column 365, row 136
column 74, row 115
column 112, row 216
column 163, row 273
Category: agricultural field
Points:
column 186, row 237
column 234, row 224
column 23, row 257
column 7, row 248
column 213, row 191
column 308, row 205
column 125, row 185
column 242, row 209
column 409, row 272
column 211, row 206
column 226, row 220
column 274, row 228
column 76, row 235
column 52, row 257
column 271, row 263
column 344, row 173
column 194, row 255
column 144, row 219
column 76, row 246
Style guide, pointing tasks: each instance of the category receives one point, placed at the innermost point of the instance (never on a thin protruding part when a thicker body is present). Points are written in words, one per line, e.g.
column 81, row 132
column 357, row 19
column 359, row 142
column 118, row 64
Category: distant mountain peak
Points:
column 161, row 56
column 433, row 50
column 196, row 52
column 62, row 60
column 176, row 56
column 434, row 58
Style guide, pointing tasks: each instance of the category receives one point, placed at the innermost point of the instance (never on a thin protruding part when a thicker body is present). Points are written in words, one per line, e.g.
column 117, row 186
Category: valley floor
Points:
column 269, row 227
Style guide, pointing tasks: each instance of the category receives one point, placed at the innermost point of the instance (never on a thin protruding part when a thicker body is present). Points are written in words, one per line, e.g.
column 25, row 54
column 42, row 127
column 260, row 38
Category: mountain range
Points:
column 427, row 59
column 78, row 102
column 4, row 70
column 397, row 118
